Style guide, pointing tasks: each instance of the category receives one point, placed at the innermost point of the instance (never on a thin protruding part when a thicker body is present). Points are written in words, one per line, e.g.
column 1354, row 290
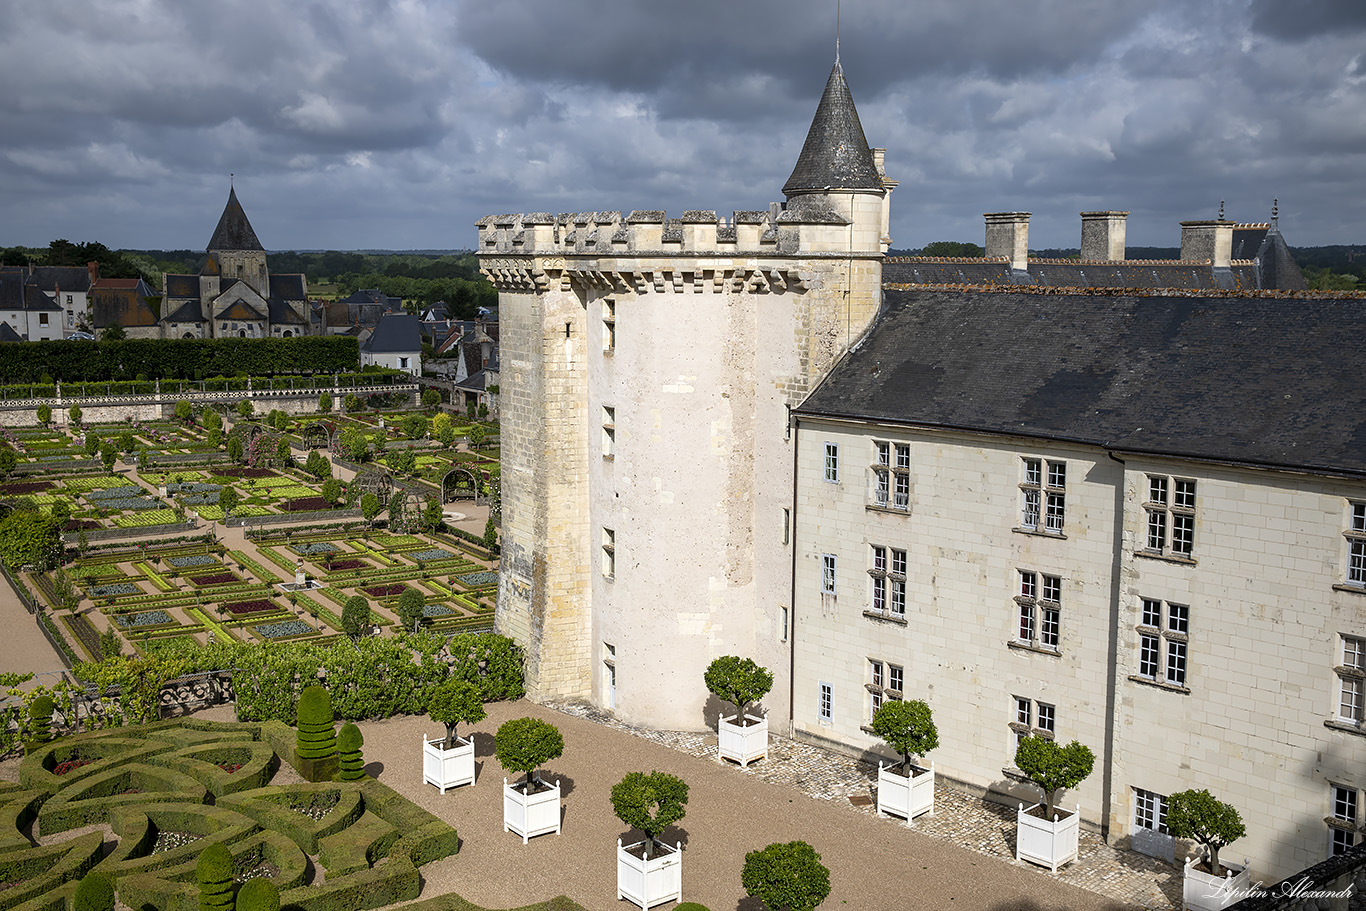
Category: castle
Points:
column 1113, row 501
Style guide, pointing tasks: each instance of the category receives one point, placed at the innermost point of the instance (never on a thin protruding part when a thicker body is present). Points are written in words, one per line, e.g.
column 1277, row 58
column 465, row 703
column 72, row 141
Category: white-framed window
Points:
column 832, row 462
column 825, row 707
column 1351, row 674
column 891, row 476
column 782, row 623
column 1171, row 516
column 1356, row 544
column 1163, row 641
column 609, row 553
column 897, row 580
column 787, row 525
column 1030, row 716
column 887, row 580
column 1343, row 818
column 70, row 318
column 827, row 574
column 878, row 576
column 609, row 432
column 885, row 683
column 1150, row 811
column 1039, row 604
column 1043, row 493
column 609, row 324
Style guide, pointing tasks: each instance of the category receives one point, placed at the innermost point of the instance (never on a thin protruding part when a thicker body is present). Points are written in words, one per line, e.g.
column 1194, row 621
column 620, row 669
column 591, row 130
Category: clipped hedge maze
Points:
column 169, row 790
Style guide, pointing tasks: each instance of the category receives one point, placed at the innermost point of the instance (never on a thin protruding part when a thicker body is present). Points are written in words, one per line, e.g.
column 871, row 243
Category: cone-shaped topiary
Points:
column 349, row 742
column 40, row 721
column 213, row 872
column 258, row 895
column 316, row 740
column 95, row 892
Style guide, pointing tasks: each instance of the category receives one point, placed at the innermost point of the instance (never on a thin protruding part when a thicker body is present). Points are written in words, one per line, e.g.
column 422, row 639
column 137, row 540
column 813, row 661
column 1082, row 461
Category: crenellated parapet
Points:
column 807, row 226
column 546, row 273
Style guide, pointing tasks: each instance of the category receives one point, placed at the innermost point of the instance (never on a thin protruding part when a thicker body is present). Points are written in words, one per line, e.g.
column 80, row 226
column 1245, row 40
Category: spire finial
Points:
column 230, row 176
column 837, row 30
column 1221, row 210
column 1275, row 210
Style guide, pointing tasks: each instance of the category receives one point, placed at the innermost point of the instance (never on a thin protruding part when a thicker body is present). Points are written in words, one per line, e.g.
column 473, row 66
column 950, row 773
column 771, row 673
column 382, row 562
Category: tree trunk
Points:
column 450, row 737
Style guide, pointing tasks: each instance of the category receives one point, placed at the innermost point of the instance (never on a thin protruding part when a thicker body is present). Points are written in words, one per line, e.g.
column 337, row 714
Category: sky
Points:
column 396, row 124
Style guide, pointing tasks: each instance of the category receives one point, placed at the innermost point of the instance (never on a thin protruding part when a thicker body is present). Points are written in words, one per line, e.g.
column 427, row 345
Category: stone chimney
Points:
column 1207, row 241
column 1102, row 236
column 1008, row 236
column 94, row 270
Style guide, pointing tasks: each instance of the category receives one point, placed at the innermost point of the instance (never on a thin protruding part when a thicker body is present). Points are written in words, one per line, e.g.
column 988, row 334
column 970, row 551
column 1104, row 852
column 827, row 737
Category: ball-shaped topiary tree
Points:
column 738, row 681
column 258, row 894
column 356, row 616
column 410, row 608
column 316, row 739
column 454, row 701
column 908, row 727
column 525, row 744
column 349, row 743
column 786, row 877
column 1208, row 820
column 650, row 803
column 1053, row 767
column 95, row 892
column 40, row 721
column 213, row 873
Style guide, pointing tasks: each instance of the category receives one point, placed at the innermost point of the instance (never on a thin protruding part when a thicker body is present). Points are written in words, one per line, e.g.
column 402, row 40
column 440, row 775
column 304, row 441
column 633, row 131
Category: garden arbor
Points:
column 461, row 483
column 379, row 483
column 319, row 435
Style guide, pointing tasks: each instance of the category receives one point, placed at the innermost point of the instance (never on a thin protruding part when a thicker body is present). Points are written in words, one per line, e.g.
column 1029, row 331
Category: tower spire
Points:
column 835, row 154
column 837, row 32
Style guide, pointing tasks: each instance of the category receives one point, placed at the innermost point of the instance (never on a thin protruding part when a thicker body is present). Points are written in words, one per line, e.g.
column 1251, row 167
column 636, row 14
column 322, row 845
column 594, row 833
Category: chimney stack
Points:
column 1207, row 241
column 1102, row 236
column 1008, row 236
column 94, row 270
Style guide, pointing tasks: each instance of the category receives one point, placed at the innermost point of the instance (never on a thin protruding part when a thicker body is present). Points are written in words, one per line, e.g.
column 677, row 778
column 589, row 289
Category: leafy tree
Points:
column 9, row 459
column 332, row 489
column 283, row 453
column 108, row 455
column 352, row 403
column 431, row 398
column 908, row 728
column 432, row 515
column 453, row 702
column 317, row 465
column 92, row 445
column 228, row 498
column 325, row 402
column 415, row 426
column 214, row 436
column 738, row 681
column 356, row 616
column 650, row 803
column 235, row 449
column 525, row 744
column 477, row 435
column 483, row 411
column 490, row 534
column 74, row 413
column 353, row 444
column 445, row 435
column 44, row 414
column 946, row 248
column 402, row 460
column 245, row 408
column 184, row 411
column 113, row 333
column 1201, row 816
column 127, row 442
column 1053, row 767
column 212, row 419
column 111, row 646
column 349, row 743
column 786, row 877
column 410, row 605
column 370, row 507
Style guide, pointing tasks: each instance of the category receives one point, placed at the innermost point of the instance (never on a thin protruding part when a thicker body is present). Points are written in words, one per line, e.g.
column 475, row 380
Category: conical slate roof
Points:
column 234, row 231
column 836, row 154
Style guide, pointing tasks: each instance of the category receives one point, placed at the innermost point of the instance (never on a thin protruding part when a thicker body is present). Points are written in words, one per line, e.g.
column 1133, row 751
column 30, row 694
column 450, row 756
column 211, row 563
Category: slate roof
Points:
column 1137, row 274
column 1266, row 381
column 289, row 286
column 1277, row 267
column 371, row 296
column 240, row 310
column 115, row 301
column 7, row 334
column 187, row 312
column 835, row 153
column 947, row 272
column 397, row 333
column 234, row 231
column 36, row 298
column 281, row 313
column 182, row 286
column 476, row 381
column 63, row 278
column 11, row 291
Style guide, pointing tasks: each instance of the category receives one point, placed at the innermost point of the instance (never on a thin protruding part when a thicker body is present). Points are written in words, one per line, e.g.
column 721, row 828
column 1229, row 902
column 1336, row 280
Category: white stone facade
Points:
column 1254, row 716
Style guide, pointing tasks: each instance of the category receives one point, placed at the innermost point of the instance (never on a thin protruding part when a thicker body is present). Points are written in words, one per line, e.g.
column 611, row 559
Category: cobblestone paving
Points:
column 959, row 817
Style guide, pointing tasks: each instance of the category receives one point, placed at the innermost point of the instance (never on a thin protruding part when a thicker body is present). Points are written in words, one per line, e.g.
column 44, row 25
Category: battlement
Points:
column 807, row 226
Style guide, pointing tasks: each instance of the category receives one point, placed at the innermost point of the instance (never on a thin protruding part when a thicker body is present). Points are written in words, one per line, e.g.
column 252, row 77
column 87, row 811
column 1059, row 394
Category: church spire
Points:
column 234, row 231
column 836, row 154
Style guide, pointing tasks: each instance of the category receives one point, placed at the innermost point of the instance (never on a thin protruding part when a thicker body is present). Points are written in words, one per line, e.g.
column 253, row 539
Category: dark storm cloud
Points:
column 365, row 123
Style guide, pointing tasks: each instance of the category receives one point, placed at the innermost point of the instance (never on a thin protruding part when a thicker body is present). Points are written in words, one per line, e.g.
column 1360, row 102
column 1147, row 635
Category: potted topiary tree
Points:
column 906, row 789
column 786, row 877
column 1212, row 823
column 316, row 739
column 531, row 807
column 1044, row 835
column 743, row 737
column 449, row 762
column 650, row 803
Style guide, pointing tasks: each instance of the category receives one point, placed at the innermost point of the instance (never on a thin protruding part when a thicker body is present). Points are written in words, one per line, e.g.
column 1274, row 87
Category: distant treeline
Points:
column 188, row 359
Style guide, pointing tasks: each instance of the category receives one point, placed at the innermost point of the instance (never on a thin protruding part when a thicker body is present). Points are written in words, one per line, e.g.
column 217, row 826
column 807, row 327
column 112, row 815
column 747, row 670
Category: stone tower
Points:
column 234, row 251
column 648, row 368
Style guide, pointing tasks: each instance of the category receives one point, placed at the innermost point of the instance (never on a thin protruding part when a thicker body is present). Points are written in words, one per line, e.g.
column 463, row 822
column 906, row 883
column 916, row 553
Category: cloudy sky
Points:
column 397, row 123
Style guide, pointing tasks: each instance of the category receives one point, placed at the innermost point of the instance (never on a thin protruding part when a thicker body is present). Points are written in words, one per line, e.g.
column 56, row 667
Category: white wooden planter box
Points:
column 1049, row 844
column 742, row 744
column 650, row 882
column 532, row 815
column 447, row 768
column 1200, row 891
column 907, row 797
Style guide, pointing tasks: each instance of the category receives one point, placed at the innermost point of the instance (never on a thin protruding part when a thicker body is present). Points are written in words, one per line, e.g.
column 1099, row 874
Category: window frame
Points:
column 1351, row 674
column 1039, row 611
column 829, row 574
column 885, row 684
column 609, row 553
column 1043, row 495
column 890, row 476
column 1029, row 714
column 1170, row 512
column 1354, row 572
column 1342, row 827
column 609, row 432
column 1163, row 630
column 832, row 462
column 825, row 704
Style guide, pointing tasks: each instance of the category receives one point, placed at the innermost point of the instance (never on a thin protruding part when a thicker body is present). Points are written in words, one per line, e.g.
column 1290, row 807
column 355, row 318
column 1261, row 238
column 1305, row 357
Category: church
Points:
column 1114, row 501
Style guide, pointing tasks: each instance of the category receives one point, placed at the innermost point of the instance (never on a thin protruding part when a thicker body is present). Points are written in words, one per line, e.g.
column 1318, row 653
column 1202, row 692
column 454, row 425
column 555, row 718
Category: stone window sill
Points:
column 1161, row 685
column 1354, row 589
column 1039, row 533
column 1029, row 647
column 889, row 510
column 886, row 618
column 1166, row 558
column 1346, row 727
